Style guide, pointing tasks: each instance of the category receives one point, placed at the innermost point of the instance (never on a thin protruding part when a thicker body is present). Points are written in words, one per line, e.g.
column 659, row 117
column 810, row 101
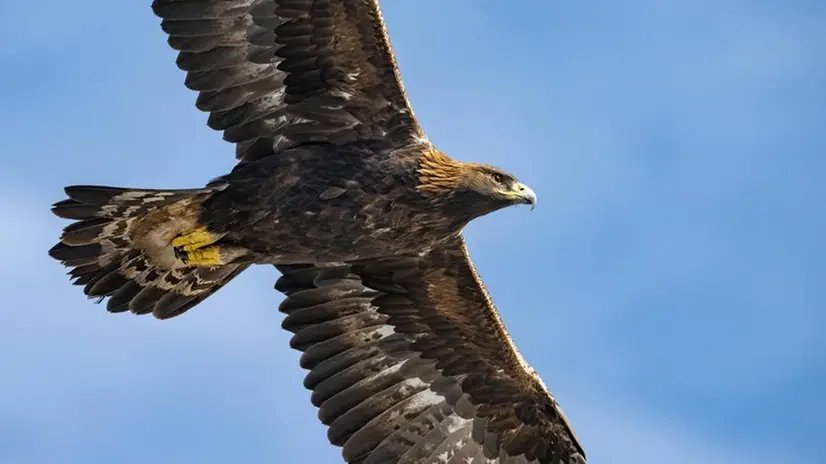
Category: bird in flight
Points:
column 338, row 187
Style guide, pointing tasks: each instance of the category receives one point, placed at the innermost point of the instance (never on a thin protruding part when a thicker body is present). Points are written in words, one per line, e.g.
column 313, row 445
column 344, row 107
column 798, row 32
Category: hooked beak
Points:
column 525, row 194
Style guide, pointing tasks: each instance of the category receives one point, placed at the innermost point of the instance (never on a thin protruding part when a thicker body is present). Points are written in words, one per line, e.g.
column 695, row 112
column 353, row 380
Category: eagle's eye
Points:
column 499, row 178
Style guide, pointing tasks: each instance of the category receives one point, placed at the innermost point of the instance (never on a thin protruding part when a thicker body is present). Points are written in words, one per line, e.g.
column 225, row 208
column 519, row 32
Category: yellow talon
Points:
column 195, row 239
column 206, row 256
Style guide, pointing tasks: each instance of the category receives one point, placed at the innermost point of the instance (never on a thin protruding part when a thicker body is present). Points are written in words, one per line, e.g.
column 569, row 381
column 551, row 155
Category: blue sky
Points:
column 668, row 288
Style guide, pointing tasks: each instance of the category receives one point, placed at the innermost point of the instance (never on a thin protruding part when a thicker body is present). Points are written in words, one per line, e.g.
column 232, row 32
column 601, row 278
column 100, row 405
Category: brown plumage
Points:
column 337, row 187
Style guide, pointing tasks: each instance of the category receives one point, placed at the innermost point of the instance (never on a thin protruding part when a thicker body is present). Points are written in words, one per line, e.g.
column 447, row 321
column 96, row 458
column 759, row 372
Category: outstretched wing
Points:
column 409, row 362
column 277, row 73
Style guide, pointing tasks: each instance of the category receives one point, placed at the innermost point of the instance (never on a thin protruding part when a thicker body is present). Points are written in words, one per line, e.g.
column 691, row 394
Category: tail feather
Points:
column 110, row 255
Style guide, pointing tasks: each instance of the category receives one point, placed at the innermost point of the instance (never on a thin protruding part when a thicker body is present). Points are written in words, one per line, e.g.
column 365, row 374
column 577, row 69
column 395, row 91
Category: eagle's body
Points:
column 338, row 187
column 323, row 202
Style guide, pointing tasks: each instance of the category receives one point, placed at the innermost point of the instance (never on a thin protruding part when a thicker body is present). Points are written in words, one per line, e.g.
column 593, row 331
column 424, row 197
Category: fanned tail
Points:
column 119, row 247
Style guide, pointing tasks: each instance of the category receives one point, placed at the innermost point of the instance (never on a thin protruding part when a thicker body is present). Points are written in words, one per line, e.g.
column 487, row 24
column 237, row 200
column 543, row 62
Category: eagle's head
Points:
column 469, row 188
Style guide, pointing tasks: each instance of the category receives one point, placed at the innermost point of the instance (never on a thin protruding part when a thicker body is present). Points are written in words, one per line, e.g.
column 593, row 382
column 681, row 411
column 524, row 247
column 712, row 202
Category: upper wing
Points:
column 409, row 362
column 276, row 73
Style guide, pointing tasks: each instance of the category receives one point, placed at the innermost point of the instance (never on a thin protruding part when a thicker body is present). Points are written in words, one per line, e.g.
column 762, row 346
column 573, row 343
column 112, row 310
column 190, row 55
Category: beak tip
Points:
column 530, row 196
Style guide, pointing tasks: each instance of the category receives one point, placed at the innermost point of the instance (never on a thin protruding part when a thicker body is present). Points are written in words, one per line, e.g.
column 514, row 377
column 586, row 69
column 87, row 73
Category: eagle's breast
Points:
column 332, row 202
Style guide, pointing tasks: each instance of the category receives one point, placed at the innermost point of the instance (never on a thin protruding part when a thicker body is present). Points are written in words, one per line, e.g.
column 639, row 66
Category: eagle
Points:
column 338, row 187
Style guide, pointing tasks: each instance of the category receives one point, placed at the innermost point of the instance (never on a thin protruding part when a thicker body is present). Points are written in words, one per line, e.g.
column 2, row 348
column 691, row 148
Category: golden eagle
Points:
column 338, row 187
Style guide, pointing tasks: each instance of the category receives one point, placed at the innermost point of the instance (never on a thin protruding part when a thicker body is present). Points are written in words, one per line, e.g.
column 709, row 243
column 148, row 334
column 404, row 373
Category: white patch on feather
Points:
column 130, row 211
column 331, row 264
column 109, row 229
column 385, row 330
column 454, row 422
column 422, row 399
column 109, row 210
column 272, row 100
column 157, row 197
column 130, row 196
column 342, row 94
column 410, row 405
column 387, row 371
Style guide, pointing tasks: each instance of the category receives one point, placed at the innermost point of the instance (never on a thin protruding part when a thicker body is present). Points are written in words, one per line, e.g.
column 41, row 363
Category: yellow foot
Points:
column 206, row 256
column 195, row 239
